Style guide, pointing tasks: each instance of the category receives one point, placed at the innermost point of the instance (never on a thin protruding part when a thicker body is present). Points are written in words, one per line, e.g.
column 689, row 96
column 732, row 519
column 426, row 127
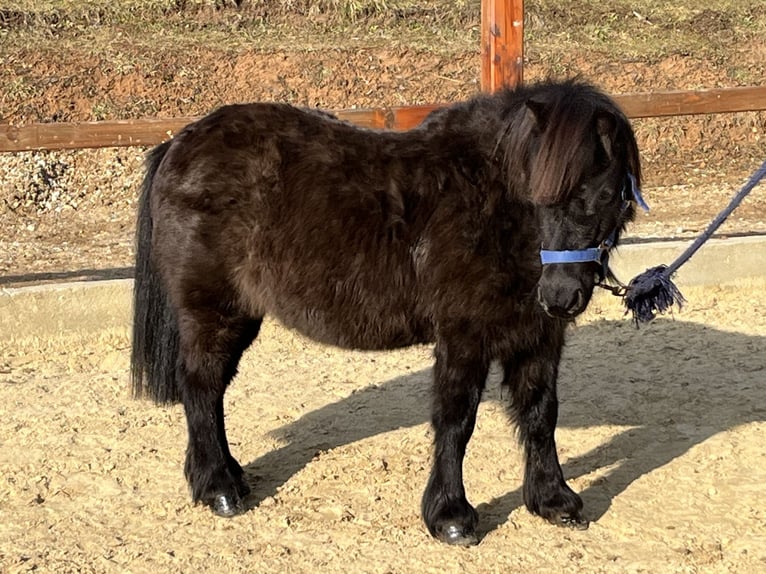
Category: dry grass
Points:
column 619, row 31
column 266, row 25
column 646, row 29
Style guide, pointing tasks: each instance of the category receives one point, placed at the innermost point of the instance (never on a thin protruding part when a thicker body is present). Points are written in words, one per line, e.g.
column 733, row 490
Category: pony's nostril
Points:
column 577, row 302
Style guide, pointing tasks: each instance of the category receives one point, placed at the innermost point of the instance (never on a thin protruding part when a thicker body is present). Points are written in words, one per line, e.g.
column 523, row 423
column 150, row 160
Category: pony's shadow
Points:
column 677, row 385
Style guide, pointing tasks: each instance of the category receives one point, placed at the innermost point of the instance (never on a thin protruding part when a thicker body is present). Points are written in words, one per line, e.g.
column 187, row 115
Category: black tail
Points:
column 155, row 329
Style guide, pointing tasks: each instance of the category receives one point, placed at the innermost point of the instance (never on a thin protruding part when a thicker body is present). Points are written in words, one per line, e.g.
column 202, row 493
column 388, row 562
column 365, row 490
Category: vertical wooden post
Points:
column 502, row 43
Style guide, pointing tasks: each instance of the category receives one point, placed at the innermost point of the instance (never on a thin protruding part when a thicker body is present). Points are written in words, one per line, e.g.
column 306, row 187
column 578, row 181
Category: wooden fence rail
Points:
column 146, row 132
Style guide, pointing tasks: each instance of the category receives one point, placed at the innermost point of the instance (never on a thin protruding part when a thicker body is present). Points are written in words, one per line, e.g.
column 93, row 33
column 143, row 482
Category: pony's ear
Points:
column 540, row 111
column 606, row 128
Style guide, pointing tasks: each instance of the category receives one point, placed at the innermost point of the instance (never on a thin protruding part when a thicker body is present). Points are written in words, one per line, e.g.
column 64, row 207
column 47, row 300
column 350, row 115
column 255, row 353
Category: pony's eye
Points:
column 589, row 203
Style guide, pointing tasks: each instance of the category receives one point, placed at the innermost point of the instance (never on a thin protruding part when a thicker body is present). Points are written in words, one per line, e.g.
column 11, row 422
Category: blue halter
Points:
column 598, row 254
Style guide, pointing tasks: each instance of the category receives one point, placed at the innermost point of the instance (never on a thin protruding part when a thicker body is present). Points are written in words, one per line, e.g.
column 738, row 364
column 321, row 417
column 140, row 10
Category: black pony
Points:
column 371, row 239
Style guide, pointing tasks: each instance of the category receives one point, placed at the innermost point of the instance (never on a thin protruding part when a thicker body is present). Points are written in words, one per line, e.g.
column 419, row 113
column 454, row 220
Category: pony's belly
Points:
column 354, row 328
column 347, row 301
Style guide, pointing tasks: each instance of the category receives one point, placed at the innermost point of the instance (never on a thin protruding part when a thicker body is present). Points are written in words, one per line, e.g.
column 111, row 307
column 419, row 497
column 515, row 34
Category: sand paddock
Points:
column 662, row 430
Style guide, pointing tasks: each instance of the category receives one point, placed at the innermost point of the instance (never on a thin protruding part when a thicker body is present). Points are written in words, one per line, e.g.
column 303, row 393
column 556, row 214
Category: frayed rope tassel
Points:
column 653, row 291
column 650, row 293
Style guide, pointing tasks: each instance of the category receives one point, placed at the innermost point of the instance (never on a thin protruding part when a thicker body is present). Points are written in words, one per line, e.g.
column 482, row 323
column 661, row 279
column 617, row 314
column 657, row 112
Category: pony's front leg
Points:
column 534, row 405
column 459, row 380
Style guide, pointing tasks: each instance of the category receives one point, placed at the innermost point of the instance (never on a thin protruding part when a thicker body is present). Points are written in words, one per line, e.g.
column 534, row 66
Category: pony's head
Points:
column 582, row 172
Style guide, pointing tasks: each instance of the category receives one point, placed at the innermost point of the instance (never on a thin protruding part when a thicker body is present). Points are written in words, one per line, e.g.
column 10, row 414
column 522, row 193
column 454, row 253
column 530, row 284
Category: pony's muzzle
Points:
column 562, row 305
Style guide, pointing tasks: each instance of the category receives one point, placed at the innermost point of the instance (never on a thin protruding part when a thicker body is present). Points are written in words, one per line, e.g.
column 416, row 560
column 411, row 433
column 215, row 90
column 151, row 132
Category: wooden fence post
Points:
column 502, row 44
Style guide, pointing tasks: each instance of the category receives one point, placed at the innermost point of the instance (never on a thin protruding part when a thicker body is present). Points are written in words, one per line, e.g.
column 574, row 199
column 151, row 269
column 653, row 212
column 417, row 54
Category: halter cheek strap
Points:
column 597, row 254
column 636, row 193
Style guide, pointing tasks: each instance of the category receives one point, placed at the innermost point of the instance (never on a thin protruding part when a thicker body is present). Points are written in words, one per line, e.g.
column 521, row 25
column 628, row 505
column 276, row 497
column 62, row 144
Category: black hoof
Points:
column 571, row 521
column 226, row 506
column 454, row 535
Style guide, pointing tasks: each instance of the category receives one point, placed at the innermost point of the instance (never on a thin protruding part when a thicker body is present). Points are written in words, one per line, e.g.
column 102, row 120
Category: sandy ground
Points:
column 662, row 431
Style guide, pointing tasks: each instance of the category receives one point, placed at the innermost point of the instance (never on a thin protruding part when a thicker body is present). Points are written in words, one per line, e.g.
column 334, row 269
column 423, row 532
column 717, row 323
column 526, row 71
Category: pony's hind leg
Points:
column 211, row 346
column 534, row 405
column 459, row 380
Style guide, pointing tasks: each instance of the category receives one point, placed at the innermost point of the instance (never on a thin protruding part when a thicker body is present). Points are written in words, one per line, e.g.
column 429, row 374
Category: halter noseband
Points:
column 598, row 254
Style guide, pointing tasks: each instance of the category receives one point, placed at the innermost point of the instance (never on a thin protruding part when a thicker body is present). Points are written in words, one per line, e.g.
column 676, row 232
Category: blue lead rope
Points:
column 653, row 291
